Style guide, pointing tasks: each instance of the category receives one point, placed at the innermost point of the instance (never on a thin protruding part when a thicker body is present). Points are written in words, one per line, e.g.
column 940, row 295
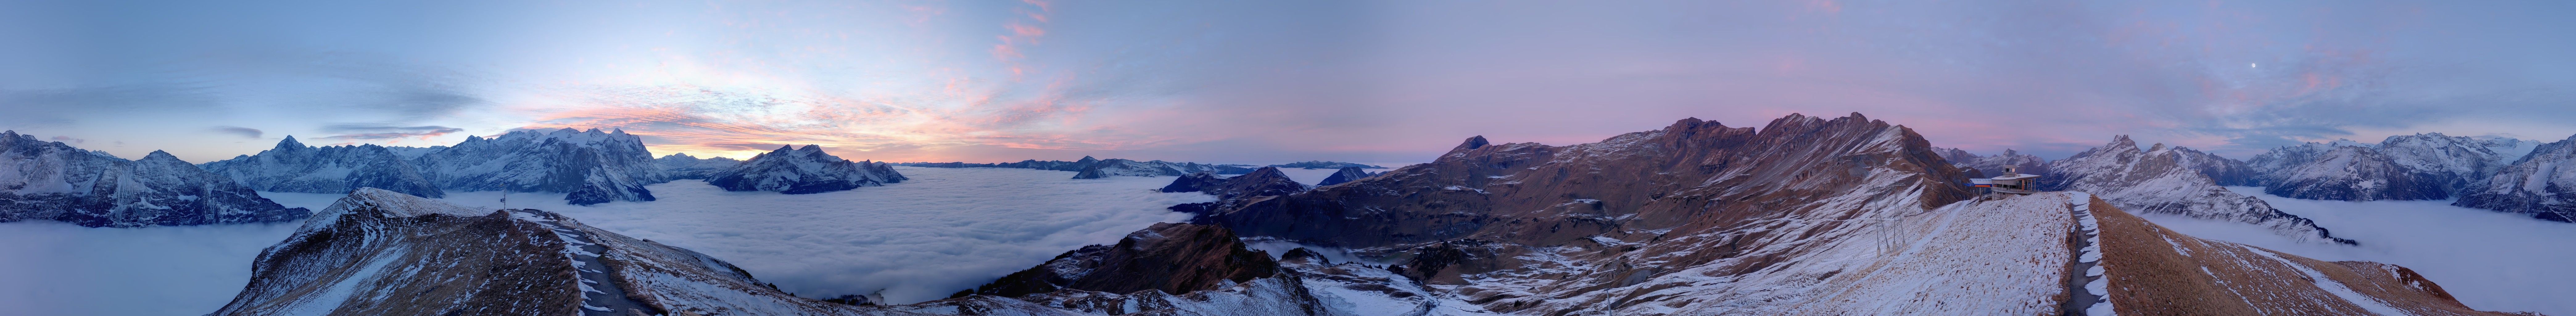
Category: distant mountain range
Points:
column 42, row 180
column 2502, row 174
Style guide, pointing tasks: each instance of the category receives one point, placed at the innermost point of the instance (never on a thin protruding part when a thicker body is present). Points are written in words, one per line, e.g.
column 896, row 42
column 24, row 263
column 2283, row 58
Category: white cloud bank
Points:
column 2490, row 261
column 53, row 268
column 945, row 230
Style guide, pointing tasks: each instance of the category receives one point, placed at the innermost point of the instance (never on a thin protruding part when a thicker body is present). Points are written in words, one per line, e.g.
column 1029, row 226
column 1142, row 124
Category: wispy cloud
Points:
column 244, row 132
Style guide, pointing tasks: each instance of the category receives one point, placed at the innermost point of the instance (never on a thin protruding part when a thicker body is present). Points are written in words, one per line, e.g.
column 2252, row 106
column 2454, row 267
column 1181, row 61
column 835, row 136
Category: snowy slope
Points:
column 808, row 170
column 42, row 180
column 595, row 167
column 2163, row 181
column 2541, row 184
column 294, row 167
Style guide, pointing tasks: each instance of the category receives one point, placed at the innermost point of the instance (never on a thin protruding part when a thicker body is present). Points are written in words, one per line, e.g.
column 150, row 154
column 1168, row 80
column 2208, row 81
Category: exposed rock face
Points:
column 2353, row 173
column 1347, row 174
column 2154, row 271
column 683, row 166
column 807, row 170
column 1168, row 257
column 41, row 180
column 2542, row 184
column 294, row 167
column 1109, row 167
column 379, row 252
column 1268, row 181
column 2428, row 166
column 1319, row 164
column 2169, row 180
column 594, row 167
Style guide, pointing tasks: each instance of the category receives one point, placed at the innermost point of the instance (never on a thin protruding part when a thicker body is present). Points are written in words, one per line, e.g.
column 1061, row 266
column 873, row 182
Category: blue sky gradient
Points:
column 1270, row 81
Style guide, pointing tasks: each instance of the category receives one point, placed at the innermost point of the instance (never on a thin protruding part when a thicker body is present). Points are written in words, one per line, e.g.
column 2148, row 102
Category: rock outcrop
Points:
column 1347, row 174
column 41, row 180
column 806, row 170
column 2169, row 180
column 2541, row 184
column 294, row 167
column 592, row 166
column 682, row 166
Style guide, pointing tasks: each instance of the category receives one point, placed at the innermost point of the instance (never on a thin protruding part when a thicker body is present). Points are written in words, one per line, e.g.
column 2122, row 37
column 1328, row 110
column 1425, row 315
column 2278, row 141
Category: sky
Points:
column 1266, row 82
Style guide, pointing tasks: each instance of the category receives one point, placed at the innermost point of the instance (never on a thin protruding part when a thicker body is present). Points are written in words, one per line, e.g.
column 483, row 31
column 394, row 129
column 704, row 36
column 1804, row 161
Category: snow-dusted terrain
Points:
column 946, row 229
column 2489, row 260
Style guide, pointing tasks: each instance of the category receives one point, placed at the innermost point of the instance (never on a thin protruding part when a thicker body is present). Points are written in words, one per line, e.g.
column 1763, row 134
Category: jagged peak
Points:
column 783, row 148
column 2011, row 152
column 811, row 148
column 157, row 154
column 2158, row 147
column 290, row 143
column 679, row 155
column 618, row 131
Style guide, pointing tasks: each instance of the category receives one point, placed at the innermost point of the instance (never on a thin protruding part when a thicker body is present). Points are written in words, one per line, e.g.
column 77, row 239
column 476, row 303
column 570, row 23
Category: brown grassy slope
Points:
column 2156, row 271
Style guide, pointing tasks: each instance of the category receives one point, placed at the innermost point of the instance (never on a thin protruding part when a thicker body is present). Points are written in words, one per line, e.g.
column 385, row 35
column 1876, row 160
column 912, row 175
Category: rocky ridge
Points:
column 294, row 167
column 41, row 180
column 808, row 170
column 1345, row 175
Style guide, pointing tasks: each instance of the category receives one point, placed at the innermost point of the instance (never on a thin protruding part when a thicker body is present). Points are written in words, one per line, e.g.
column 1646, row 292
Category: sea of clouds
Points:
column 947, row 229
column 2489, row 260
